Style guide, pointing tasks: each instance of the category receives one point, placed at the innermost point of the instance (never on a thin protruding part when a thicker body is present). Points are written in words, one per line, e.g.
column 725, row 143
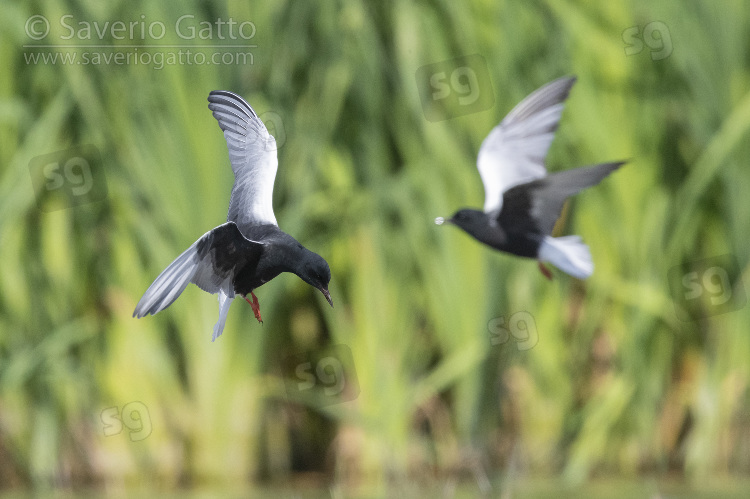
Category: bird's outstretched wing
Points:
column 514, row 151
column 252, row 152
column 535, row 206
column 208, row 263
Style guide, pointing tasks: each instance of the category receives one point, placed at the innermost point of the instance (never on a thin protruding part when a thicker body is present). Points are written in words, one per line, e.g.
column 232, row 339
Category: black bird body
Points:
column 523, row 202
column 250, row 249
column 250, row 262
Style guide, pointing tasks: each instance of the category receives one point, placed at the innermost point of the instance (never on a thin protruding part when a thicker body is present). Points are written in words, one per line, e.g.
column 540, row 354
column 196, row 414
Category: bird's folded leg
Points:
column 255, row 305
column 545, row 271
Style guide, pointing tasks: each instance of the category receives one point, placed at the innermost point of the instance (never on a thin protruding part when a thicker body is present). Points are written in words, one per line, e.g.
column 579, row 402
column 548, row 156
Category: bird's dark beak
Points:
column 441, row 221
column 327, row 295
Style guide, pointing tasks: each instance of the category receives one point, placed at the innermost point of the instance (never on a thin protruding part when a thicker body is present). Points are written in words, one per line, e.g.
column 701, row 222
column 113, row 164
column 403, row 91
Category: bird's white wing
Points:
column 514, row 151
column 252, row 152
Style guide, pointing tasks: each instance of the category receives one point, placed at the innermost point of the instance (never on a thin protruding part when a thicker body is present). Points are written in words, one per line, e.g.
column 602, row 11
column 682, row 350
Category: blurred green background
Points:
column 598, row 388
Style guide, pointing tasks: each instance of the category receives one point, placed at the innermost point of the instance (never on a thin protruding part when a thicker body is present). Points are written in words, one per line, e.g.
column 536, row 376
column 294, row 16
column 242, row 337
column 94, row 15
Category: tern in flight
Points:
column 248, row 250
column 522, row 202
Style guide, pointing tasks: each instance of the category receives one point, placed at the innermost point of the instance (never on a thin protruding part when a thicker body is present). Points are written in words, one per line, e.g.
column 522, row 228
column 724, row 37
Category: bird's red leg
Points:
column 255, row 305
column 545, row 271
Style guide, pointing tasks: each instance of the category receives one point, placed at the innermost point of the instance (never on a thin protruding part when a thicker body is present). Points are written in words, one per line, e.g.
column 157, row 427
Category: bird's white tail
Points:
column 224, row 302
column 569, row 254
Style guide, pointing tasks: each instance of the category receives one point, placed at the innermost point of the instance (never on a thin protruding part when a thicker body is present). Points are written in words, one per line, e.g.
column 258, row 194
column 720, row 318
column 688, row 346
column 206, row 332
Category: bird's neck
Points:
column 288, row 256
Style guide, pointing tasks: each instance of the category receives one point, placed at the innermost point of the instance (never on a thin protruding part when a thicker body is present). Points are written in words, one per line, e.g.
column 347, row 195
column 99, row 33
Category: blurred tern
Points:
column 522, row 202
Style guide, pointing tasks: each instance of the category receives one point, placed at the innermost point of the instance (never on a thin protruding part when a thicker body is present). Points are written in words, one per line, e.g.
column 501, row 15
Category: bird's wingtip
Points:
column 215, row 96
column 568, row 82
column 615, row 165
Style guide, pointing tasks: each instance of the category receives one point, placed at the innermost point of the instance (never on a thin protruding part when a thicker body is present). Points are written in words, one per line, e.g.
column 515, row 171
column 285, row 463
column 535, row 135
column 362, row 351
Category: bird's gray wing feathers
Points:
column 252, row 152
column 514, row 151
column 542, row 199
column 208, row 263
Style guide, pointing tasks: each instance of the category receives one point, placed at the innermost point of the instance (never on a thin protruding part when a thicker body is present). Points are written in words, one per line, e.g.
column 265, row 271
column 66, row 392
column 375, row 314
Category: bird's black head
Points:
column 472, row 221
column 478, row 225
column 315, row 272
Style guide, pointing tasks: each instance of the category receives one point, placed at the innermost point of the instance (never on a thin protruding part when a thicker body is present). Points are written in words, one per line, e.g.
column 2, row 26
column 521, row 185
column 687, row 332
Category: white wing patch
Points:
column 514, row 151
column 252, row 152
